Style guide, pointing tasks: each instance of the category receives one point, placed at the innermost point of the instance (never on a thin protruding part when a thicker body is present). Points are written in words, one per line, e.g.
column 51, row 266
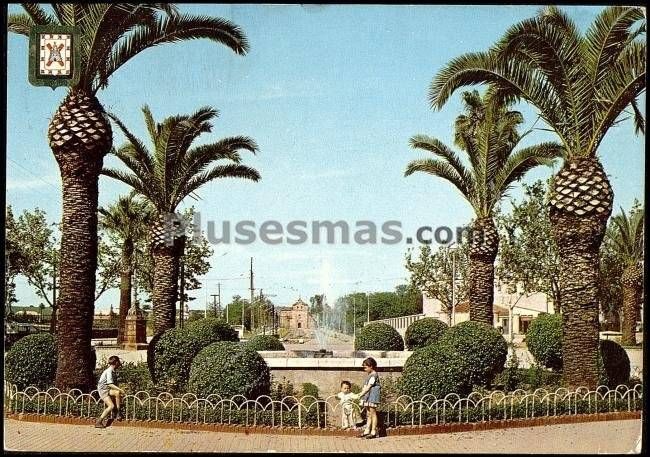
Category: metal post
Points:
column 354, row 317
column 182, row 298
column 453, row 287
column 368, row 297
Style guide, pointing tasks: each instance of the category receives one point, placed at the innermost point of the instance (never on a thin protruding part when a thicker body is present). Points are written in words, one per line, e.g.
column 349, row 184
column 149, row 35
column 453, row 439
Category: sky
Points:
column 331, row 94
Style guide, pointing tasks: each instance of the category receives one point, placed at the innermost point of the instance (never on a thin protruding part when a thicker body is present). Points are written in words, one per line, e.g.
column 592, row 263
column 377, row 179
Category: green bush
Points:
column 265, row 343
column 544, row 340
column 615, row 363
column 481, row 345
column 176, row 348
column 378, row 337
column 424, row 332
column 32, row 361
column 309, row 389
column 229, row 369
column 436, row 370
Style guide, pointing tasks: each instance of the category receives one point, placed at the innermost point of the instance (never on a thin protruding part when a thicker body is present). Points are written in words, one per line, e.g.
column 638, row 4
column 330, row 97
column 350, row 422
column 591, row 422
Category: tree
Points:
column 196, row 259
column 624, row 237
column 581, row 84
column 165, row 176
column 128, row 219
column 32, row 253
column 487, row 134
column 404, row 301
column 110, row 35
column 528, row 259
column 235, row 311
column 433, row 274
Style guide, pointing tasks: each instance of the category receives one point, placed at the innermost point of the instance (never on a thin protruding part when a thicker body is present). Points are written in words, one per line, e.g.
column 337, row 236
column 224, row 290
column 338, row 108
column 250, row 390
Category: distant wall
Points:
column 327, row 380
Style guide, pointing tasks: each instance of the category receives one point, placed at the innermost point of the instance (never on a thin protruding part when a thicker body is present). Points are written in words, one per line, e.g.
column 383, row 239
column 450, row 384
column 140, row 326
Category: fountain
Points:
column 321, row 337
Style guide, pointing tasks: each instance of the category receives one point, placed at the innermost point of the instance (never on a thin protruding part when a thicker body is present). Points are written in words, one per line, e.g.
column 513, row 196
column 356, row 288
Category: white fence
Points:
column 399, row 323
column 316, row 412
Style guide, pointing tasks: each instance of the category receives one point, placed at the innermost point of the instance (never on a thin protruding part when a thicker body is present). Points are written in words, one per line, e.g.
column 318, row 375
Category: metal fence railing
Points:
column 310, row 411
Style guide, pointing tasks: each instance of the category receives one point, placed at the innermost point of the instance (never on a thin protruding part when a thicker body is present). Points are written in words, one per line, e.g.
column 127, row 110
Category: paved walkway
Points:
column 595, row 437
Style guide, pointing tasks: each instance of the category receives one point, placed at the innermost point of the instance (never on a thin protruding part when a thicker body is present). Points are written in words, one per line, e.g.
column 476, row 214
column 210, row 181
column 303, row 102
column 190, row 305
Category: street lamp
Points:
column 453, row 282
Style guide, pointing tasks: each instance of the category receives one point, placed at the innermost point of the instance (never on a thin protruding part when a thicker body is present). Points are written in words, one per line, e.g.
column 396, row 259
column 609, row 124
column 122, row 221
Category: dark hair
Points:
column 114, row 360
column 369, row 362
column 346, row 383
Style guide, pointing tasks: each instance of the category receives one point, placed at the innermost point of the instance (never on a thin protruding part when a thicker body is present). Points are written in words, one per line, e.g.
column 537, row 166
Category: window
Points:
column 299, row 324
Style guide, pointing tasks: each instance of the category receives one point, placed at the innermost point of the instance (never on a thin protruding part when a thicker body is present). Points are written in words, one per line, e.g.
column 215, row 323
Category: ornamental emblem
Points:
column 53, row 56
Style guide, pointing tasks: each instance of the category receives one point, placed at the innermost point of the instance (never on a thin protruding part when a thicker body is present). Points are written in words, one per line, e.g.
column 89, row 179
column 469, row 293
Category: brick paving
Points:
column 622, row 436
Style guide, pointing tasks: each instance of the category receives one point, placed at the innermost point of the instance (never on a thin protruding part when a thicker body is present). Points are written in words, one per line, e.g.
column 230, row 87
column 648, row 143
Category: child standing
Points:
column 107, row 388
column 348, row 411
column 370, row 395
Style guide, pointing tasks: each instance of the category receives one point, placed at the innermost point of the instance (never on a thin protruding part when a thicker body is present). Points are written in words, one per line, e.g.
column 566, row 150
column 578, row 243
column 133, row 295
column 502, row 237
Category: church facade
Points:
column 296, row 317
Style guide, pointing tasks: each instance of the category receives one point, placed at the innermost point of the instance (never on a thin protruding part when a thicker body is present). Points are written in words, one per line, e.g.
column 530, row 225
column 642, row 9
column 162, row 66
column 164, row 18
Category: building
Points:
column 296, row 316
column 513, row 312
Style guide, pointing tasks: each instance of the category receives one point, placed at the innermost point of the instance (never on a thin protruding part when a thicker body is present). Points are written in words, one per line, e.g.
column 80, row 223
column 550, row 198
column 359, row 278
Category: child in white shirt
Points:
column 348, row 410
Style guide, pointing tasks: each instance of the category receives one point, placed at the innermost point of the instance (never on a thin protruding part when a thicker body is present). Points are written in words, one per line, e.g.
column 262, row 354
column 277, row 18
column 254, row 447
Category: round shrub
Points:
column 378, row 337
column 481, row 346
column 544, row 340
column 265, row 343
column 229, row 369
column 435, row 370
column 174, row 351
column 424, row 332
column 32, row 361
column 615, row 363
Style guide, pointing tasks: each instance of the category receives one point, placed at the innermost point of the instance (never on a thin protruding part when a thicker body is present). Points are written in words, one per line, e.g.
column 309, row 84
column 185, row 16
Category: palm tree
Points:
column 128, row 218
column 110, row 34
column 488, row 135
column 580, row 84
column 165, row 176
column 625, row 236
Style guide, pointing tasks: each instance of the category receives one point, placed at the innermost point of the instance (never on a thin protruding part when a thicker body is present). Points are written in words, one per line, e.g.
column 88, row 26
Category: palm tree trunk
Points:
column 126, row 276
column 79, row 136
column 165, row 288
column 632, row 282
column 483, row 250
column 581, row 202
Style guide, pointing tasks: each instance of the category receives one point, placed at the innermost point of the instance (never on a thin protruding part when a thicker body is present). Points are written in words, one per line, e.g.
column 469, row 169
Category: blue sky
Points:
column 331, row 94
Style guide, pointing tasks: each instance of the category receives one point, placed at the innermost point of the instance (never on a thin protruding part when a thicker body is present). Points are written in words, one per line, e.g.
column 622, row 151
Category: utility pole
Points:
column 214, row 303
column 55, row 310
column 368, row 297
column 181, row 305
column 219, row 293
column 354, row 317
column 453, row 287
column 252, row 298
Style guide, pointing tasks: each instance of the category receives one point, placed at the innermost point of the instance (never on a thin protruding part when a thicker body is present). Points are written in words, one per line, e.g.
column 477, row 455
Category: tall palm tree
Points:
column 165, row 176
column 580, row 84
column 110, row 34
column 129, row 219
column 625, row 234
column 488, row 136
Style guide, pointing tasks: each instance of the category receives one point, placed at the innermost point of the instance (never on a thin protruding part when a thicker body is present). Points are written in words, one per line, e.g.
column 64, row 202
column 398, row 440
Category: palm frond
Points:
column 607, row 37
column 174, row 29
column 131, row 180
column 522, row 161
column 20, row 23
column 639, row 121
column 441, row 169
column 38, row 14
column 139, row 150
column 65, row 13
column 438, row 148
column 513, row 78
column 218, row 172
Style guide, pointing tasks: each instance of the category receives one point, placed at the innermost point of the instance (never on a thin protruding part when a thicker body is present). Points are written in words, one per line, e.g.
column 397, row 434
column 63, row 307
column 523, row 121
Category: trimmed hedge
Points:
column 544, row 340
column 32, row 361
column 436, row 370
column 424, row 332
column 265, row 343
column 229, row 369
column 615, row 363
column 176, row 348
column 481, row 345
column 378, row 336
